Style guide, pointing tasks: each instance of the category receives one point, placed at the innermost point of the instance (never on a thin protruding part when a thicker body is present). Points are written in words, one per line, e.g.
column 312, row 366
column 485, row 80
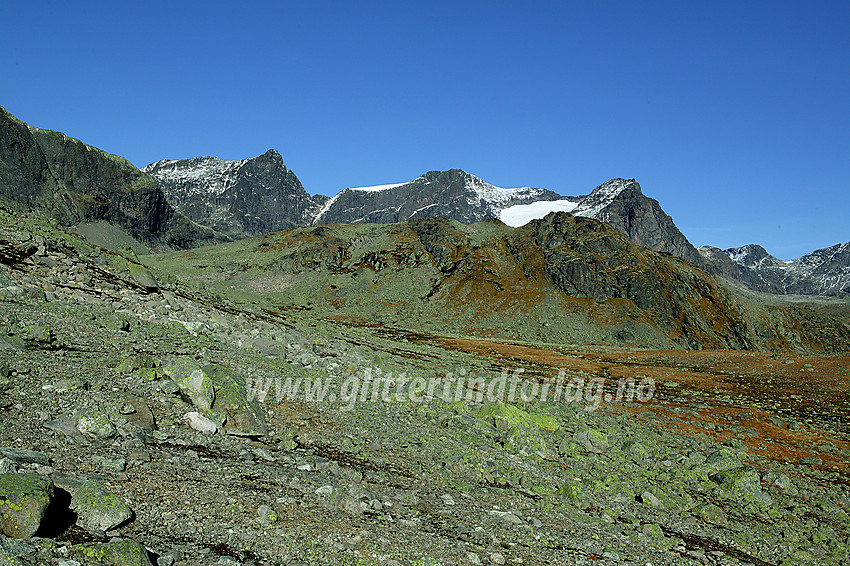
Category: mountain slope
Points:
column 452, row 194
column 48, row 173
column 822, row 272
column 561, row 279
column 239, row 198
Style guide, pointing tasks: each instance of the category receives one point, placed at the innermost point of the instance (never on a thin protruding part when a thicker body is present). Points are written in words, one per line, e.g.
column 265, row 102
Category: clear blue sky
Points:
column 734, row 115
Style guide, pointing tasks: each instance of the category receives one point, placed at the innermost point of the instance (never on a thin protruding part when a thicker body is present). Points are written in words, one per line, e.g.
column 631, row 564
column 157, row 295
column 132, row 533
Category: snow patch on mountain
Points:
column 602, row 196
column 521, row 214
column 376, row 188
column 206, row 175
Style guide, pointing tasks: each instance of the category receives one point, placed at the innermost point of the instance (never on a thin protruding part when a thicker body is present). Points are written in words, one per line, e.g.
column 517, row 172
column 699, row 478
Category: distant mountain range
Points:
column 252, row 196
column 185, row 203
column 822, row 272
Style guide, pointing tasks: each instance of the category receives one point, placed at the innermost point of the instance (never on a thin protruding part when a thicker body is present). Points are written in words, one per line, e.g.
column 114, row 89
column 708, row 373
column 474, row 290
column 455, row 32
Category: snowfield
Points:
column 521, row 214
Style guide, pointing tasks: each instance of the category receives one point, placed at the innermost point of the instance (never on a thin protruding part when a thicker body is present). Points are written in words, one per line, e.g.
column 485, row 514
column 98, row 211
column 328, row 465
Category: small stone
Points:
column 710, row 513
column 325, row 490
column 125, row 552
column 497, row 558
column 199, row 422
column 70, row 384
column 266, row 514
column 7, row 466
column 448, row 499
column 650, row 498
column 594, row 441
column 168, row 387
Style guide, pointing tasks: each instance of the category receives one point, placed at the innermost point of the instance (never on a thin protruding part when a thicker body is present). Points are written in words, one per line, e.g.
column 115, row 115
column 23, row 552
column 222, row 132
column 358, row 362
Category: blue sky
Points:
column 734, row 115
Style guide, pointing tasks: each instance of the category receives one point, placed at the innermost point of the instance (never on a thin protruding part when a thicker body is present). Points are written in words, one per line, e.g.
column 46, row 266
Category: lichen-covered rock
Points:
column 11, row 549
column 96, row 424
column 241, row 415
column 24, row 456
column 192, row 381
column 98, row 509
column 592, row 440
column 23, row 500
column 505, row 416
column 35, row 335
column 710, row 513
column 744, row 484
column 723, row 459
column 117, row 552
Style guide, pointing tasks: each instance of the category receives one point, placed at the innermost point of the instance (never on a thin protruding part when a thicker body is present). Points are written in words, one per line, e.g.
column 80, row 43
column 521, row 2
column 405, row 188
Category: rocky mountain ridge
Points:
column 560, row 279
column 822, row 272
column 453, row 194
column 240, row 198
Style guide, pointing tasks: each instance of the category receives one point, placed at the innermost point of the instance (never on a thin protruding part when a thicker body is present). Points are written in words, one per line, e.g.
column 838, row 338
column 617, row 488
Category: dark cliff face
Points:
column 452, row 194
column 622, row 204
column 240, row 198
column 49, row 173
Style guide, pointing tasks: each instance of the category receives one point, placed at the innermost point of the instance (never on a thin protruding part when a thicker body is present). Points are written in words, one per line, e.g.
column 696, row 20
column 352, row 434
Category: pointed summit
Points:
column 622, row 204
column 240, row 198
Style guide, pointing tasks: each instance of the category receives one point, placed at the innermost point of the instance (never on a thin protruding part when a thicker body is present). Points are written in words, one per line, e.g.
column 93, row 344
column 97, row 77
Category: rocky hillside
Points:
column 239, row 198
column 822, row 272
column 453, row 194
column 561, row 279
column 49, row 173
column 163, row 422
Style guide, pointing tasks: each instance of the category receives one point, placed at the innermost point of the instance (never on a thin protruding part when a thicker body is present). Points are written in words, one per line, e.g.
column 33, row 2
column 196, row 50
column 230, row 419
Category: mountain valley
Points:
column 203, row 364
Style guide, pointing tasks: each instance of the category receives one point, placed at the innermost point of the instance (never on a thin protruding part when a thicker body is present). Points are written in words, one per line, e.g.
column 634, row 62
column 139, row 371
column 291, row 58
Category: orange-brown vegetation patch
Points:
column 758, row 395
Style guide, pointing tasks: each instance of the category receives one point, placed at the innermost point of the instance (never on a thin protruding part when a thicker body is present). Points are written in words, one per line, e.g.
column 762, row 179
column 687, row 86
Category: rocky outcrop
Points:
column 453, row 194
column 560, row 279
column 48, row 173
column 239, row 198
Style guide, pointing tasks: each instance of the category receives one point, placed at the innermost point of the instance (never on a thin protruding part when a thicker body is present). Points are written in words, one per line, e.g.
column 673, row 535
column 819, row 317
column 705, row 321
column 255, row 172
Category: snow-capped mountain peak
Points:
column 197, row 176
column 238, row 198
column 602, row 196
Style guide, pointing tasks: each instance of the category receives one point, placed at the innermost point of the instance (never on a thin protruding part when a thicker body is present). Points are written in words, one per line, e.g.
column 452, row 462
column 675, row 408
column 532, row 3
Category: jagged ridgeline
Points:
column 240, row 198
column 560, row 279
column 47, row 173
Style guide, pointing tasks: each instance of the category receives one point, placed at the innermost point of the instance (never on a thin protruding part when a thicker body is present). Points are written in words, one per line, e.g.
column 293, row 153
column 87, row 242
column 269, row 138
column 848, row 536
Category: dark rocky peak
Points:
column 240, row 198
column 622, row 204
column 753, row 255
column 453, row 194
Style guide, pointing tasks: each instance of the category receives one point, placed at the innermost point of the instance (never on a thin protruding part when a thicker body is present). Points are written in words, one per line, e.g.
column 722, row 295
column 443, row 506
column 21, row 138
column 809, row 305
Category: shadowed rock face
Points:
column 49, row 173
column 239, row 198
column 452, row 194
column 620, row 203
